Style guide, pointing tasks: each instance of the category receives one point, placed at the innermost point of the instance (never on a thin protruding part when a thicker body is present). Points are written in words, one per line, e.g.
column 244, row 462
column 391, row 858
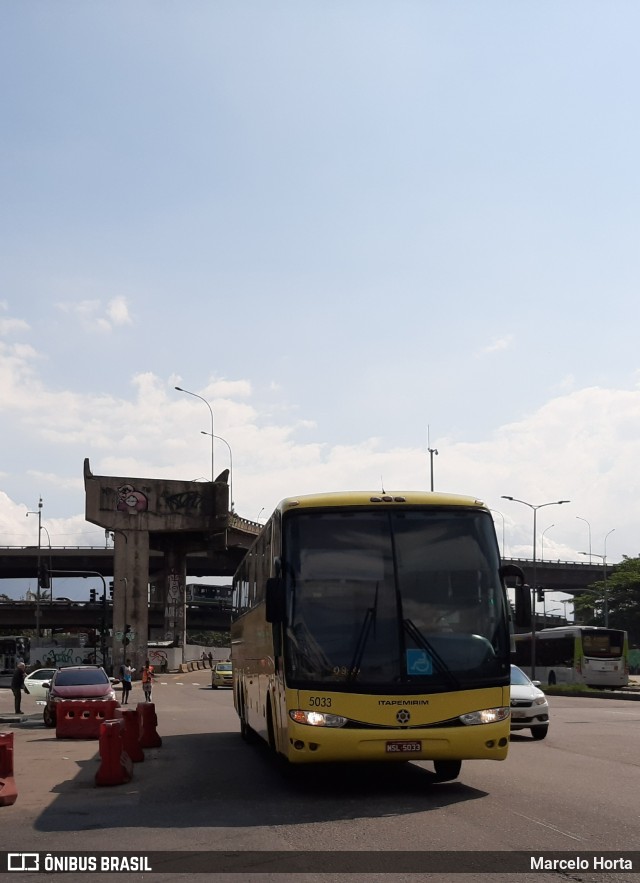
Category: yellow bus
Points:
column 376, row 627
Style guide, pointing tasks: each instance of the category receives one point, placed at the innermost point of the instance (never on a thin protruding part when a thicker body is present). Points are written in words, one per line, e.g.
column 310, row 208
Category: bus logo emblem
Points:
column 403, row 716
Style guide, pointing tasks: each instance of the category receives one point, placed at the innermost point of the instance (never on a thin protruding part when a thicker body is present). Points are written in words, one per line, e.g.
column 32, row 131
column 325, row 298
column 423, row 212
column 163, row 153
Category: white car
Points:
column 529, row 706
column 34, row 682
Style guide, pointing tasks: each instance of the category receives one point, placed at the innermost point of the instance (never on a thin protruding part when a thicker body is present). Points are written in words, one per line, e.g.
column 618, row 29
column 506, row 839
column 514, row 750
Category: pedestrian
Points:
column 210, row 660
column 147, row 680
column 204, row 659
column 17, row 685
column 126, row 673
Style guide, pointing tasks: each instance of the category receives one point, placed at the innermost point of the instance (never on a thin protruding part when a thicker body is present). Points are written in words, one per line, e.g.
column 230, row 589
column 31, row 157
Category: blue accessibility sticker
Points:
column 419, row 662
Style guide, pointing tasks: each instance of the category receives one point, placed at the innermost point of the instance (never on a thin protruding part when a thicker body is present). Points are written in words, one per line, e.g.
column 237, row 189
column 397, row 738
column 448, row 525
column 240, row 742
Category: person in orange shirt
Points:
column 147, row 680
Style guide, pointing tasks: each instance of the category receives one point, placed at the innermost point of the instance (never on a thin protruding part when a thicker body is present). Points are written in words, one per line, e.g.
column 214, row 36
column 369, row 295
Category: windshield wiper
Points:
column 363, row 637
column 416, row 635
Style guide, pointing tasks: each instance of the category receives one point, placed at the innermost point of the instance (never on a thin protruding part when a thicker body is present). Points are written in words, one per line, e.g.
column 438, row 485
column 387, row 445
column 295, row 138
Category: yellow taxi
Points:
column 221, row 675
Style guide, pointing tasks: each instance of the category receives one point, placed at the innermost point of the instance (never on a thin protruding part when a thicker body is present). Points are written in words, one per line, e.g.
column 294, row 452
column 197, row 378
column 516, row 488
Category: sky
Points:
column 357, row 230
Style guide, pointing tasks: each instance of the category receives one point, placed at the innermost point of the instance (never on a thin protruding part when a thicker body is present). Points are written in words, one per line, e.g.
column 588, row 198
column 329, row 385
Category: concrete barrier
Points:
column 116, row 767
column 82, row 718
column 8, row 788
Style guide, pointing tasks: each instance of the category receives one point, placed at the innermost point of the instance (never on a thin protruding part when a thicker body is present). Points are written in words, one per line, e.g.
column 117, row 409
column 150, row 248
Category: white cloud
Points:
column 498, row 345
column 583, row 446
column 93, row 315
column 118, row 311
column 11, row 326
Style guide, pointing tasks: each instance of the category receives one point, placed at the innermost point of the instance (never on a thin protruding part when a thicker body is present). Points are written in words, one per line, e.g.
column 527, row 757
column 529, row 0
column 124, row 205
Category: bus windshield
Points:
column 404, row 597
column 603, row 643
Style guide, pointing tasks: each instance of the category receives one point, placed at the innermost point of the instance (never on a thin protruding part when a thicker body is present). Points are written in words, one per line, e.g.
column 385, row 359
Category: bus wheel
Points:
column 245, row 730
column 539, row 732
column 270, row 733
column 552, row 678
column 447, row 769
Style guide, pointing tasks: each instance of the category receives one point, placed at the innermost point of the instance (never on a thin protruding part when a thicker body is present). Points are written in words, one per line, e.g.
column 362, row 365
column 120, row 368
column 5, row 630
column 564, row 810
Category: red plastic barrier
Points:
column 116, row 766
column 149, row 737
column 131, row 732
column 81, row 718
column 8, row 789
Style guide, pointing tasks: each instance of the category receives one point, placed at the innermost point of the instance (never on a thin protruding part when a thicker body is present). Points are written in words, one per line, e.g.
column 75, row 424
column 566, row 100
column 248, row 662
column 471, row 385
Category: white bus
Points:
column 13, row 649
column 597, row 657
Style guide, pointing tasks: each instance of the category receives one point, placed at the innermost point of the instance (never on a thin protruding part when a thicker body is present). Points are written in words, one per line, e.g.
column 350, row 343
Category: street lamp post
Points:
column 50, row 564
column 496, row 512
column 534, row 587
column 219, row 437
column 38, row 512
column 542, row 541
column 195, row 395
column 605, row 593
column 589, row 526
column 564, row 602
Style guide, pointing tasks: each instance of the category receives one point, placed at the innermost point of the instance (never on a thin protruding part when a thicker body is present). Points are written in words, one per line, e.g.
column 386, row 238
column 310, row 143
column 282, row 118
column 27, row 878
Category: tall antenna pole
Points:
column 431, row 451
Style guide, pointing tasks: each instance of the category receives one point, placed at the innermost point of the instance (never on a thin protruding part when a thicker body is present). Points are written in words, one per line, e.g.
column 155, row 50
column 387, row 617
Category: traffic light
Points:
column 111, row 589
column 540, row 594
column 44, row 580
column 93, row 595
column 125, row 639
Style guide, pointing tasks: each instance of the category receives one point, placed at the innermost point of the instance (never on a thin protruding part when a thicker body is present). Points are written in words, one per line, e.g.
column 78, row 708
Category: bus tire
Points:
column 246, row 732
column 539, row 732
column 552, row 678
column 271, row 738
column 446, row 770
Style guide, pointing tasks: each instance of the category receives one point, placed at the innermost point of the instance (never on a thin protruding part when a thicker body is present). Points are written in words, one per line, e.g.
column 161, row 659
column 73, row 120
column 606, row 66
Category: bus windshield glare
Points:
column 410, row 598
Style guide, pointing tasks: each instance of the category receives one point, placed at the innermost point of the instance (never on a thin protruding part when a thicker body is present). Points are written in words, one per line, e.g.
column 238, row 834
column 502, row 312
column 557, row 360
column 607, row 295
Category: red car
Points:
column 77, row 682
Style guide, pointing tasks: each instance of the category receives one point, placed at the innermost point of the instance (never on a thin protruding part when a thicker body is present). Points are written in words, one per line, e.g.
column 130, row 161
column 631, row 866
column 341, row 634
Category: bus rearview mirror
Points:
column 522, row 616
column 275, row 599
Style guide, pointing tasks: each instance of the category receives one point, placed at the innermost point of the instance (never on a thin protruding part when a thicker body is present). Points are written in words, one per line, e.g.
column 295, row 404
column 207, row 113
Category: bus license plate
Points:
column 400, row 747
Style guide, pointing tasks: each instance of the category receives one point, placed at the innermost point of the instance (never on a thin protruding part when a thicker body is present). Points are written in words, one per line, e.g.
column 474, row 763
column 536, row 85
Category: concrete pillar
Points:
column 130, row 599
column 175, row 611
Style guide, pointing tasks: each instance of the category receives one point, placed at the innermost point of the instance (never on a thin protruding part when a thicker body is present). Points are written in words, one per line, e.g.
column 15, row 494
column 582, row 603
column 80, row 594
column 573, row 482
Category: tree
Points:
column 622, row 596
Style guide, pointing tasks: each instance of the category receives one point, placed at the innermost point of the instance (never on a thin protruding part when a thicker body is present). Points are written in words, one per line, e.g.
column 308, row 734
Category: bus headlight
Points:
column 317, row 718
column 486, row 716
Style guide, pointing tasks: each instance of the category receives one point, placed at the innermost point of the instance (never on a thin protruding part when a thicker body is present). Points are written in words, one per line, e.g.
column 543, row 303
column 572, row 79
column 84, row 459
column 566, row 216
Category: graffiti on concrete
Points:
column 185, row 501
column 65, row 656
column 174, row 610
column 130, row 500
column 159, row 659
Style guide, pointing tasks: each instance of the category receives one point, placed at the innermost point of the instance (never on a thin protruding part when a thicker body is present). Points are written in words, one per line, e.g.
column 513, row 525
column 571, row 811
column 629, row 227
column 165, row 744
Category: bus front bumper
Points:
column 308, row 744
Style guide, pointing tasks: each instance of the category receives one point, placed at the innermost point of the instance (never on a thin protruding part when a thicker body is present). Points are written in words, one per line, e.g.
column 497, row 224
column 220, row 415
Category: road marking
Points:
column 551, row 827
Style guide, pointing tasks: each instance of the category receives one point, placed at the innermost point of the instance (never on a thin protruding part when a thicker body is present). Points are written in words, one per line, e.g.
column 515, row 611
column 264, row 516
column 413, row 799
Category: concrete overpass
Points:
column 19, row 616
column 21, row 562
